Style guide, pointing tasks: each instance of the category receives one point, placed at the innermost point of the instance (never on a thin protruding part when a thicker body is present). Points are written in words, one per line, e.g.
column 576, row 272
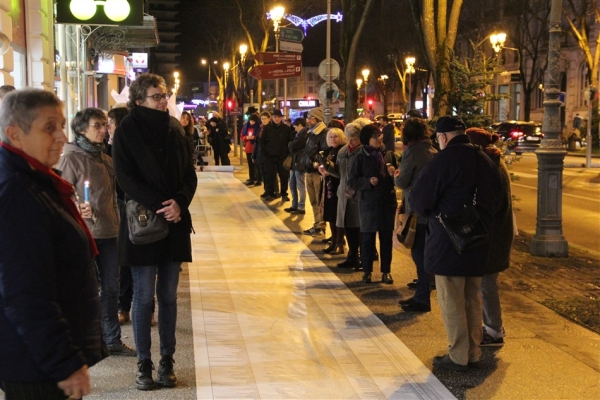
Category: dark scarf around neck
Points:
column 378, row 154
column 86, row 145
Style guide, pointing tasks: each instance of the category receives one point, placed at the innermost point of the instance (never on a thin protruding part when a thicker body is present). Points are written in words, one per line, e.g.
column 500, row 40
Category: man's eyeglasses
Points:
column 158, row 96
column 437, row 137
column 98, row 125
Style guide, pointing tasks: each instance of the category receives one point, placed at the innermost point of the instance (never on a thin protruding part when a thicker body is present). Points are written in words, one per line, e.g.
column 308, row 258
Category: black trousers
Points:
column 274, row 167
column 223, row 157
column 251, row 167
column 367, row 251
column 32, row 391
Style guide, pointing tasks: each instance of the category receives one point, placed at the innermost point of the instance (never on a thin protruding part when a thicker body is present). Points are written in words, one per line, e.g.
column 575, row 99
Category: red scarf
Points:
column 64, row 189
column 351, row 149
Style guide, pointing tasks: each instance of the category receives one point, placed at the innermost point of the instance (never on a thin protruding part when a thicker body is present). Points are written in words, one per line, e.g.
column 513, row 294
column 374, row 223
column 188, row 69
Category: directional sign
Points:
column 275, row 71
column 291, row 46
column 291, row 34
column 270, row 57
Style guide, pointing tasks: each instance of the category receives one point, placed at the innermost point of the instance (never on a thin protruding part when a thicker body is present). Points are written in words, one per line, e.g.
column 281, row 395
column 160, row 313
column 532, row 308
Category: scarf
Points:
column 377, row 153
column 351, row 149
column 86, row 145
column 64, row 190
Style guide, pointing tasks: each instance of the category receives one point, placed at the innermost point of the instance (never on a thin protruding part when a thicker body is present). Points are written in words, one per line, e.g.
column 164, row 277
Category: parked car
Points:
column 519, row 136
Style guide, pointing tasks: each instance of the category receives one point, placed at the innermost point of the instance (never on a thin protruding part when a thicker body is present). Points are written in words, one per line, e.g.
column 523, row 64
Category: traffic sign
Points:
column 270, row 57
column 291, row 34
column 235, row 111
column 291, row 46
column 335, row 69
column 275, row 71
column 335, row 93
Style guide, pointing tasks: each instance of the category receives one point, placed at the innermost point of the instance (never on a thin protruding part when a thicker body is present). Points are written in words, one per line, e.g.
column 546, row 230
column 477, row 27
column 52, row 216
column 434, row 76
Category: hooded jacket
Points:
column 78, row 166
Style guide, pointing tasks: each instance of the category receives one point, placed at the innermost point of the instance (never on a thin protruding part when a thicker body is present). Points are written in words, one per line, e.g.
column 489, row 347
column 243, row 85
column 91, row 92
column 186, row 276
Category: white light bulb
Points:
column 83, row 9
column 117, row 10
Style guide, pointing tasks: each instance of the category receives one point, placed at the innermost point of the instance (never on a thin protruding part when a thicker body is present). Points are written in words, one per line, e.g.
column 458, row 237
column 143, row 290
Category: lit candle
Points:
column 86, row 192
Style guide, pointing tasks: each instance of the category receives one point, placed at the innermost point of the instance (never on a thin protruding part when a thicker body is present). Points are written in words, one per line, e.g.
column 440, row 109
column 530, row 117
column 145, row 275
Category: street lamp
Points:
column 365, row 74
column 383, row 79
column 225, row 78
column 276, row 15
column 497, row 40
column 176, row 86
column 410, row 69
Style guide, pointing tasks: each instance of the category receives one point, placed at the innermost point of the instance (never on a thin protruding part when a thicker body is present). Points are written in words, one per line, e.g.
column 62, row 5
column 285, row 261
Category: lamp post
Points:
column 358, row 85
column 205, row 63
column 383, row 79
column 277, row 14
column 365, row 74
column 549, row 240
column 242, row 76
column 225, row 79
column 176, row 86
column 410, row 69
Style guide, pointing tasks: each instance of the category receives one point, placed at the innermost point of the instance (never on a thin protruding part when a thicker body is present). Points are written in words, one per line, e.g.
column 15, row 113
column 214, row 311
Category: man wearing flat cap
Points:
column 274, row 142
column 460, row 174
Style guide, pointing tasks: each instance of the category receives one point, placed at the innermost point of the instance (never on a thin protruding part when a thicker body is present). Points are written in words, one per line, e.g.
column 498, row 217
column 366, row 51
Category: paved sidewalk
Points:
column 546, row 355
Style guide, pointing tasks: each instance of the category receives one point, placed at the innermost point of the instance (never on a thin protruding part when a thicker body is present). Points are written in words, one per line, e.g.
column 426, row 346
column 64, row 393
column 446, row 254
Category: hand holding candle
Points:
column 86, row 192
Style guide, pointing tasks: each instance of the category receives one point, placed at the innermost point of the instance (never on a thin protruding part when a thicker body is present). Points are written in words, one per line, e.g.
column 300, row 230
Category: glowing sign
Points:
column 304, row 23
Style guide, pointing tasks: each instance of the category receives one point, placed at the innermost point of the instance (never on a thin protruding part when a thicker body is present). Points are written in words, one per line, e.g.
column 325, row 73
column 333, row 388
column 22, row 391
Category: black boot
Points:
column 166, row 377
column 143, row 379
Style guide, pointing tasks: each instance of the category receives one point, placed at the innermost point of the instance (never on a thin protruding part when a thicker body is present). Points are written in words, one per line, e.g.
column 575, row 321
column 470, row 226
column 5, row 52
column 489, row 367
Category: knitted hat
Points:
column 316, row 112
column 479, row 136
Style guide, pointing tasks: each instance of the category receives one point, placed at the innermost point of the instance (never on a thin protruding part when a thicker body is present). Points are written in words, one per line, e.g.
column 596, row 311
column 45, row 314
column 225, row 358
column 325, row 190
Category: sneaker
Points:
column 165, row 376
column 121, row 349
column 298, row 212
column 489, row 341
column 143, row 379
column 290, row 209
column 318, row 232
column 314, row 231
column 124, row 317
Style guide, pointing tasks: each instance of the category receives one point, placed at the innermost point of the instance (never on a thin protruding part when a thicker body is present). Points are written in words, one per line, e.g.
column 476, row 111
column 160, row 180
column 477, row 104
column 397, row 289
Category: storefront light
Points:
column 115, row 10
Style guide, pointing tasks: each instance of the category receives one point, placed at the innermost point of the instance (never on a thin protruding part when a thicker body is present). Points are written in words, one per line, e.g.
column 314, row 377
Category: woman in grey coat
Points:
column 418, row 151
column 347, row 209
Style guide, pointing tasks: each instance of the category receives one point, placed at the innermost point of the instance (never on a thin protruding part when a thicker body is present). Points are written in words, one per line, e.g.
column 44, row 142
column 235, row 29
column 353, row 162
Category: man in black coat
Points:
column 274, row 141
column 389, row 134
column 459, row 175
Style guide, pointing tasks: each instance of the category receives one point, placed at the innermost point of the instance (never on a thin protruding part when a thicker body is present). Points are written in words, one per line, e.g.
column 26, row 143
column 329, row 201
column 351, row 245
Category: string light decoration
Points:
column 305, row 23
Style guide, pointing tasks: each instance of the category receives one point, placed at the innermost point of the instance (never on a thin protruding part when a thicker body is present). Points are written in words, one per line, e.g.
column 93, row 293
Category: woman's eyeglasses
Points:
column 158, row 96
column 98, row 125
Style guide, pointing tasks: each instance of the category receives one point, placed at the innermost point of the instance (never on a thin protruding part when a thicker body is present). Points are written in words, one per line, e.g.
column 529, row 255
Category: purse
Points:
column 144, row 225
column 405, row 228
column 288, row 162
column 351, row 193
column 465, row 228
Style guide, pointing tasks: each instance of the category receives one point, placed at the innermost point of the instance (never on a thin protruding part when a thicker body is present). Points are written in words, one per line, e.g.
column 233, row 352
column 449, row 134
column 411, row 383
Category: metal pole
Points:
column 241, row 98
column 277, row 80
column 588, row 136
column 408, row 96
column 328, row 57
column 208, row 86
column 548, row 240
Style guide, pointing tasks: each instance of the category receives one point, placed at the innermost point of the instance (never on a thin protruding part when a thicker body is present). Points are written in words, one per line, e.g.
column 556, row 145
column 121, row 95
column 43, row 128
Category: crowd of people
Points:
column 71, row 272
column 351, row 174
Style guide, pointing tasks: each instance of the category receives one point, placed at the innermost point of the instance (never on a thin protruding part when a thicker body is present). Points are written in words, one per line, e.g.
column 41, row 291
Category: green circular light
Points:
column 117, row 10
column 83, row 9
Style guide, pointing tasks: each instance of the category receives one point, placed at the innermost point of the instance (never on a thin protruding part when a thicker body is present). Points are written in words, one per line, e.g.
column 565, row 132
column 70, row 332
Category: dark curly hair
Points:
column 414, row 130
column 139, row 88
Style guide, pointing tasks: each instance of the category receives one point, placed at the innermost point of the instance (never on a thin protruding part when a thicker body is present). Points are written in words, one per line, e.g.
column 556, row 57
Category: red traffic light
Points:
column 370, row 102
column 230, row 104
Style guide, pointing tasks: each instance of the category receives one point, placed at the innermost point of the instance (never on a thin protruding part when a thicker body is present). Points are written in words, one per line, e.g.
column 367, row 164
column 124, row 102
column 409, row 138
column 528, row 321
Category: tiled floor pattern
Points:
column 271, row 321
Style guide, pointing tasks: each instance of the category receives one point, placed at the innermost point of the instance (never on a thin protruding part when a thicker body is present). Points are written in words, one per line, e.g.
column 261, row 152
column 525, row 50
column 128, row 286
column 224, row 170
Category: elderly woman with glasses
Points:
column 154, row 166
column 49, row 314
column 85, row 165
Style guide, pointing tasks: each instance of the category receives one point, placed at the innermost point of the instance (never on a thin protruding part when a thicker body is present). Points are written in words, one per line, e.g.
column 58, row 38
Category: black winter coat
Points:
column 153, row 163
column 445, row 185
column 274, row 141
column 376, row 204
column 296, row 147
column 219, row 137
column 316, row 141
column 49, row 309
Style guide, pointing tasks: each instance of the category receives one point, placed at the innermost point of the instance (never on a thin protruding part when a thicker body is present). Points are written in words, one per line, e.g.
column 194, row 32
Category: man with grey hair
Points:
column 316, row 142
column 460, row 174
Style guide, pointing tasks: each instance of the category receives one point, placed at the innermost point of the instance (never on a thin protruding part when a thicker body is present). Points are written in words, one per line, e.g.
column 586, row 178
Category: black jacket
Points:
column 219, row 137
column 49, row 310
column 376, row 204
column 274, row 140
column 315, row 142
column 296, row 147
column 153, row 163
column 445, row 185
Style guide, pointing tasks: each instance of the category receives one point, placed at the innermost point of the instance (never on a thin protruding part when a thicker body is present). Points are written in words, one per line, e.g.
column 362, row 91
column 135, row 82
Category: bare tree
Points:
column 439, row 28
column 356, row 13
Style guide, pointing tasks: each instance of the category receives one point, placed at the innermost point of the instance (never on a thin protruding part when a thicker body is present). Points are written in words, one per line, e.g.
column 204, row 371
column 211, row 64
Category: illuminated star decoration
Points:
column 304, row 23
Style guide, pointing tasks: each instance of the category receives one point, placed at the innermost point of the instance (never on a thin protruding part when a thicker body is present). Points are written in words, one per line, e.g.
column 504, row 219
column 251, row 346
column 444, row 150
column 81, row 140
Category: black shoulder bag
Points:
column 465, row 227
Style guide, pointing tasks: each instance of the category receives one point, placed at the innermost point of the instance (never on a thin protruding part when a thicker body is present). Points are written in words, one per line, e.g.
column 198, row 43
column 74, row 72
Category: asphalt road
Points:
column 580, row 199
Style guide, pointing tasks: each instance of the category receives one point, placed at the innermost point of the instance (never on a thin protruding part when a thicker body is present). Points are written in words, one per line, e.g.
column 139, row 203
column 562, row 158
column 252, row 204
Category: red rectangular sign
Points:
column 275, row 71
column 270, row 57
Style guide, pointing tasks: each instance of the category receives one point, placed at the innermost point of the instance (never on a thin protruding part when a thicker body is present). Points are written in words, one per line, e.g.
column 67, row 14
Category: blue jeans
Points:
column 108, row 276
column 162, row 279
column 492, row 312
column 298, row 189
column 418, row 255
